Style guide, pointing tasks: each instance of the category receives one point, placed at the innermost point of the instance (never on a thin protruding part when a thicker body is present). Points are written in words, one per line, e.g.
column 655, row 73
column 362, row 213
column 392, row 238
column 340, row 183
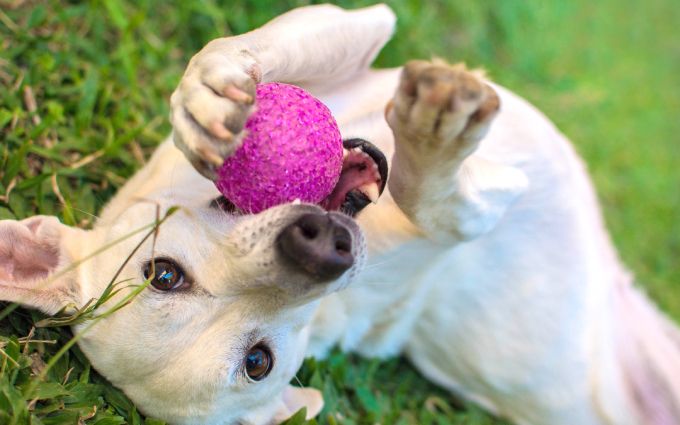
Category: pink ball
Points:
column 292, row 150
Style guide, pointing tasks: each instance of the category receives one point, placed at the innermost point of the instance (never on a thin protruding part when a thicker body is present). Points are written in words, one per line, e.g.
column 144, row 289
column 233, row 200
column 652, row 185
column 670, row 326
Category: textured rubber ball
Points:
column 292, row 150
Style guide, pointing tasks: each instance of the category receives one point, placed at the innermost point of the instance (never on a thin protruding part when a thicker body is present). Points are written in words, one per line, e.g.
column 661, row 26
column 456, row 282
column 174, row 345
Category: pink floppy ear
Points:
column 31, row 251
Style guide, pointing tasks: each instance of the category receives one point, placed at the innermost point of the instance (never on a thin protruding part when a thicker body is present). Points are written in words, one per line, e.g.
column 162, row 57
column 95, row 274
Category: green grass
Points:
column 101, row 72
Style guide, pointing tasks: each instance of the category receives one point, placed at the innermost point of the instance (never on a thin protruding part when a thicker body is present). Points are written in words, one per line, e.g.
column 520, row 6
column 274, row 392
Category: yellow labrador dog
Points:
column 486, row 261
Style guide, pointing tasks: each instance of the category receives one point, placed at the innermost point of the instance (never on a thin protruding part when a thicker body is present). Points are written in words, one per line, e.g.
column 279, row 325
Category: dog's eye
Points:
column 258, row 362
column 166, row 275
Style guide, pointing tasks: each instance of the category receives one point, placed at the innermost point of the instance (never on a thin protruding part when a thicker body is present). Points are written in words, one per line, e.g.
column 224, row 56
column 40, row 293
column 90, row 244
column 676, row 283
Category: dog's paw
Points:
column 441, row 110
column 211, row 104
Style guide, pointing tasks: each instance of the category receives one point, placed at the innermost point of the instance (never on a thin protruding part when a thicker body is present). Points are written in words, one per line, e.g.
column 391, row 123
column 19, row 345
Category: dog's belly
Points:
column 509, row 330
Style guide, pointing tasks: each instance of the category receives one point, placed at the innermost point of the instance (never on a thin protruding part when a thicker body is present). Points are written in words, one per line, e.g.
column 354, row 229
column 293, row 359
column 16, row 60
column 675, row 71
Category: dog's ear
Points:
column 34, row 258
column 295, row 398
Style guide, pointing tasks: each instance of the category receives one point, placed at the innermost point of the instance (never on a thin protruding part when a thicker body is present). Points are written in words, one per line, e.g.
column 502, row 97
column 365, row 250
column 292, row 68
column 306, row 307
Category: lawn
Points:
column 84, row 91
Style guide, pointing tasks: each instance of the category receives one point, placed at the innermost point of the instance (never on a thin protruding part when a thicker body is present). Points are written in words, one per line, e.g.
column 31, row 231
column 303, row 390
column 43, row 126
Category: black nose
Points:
column 318, row 245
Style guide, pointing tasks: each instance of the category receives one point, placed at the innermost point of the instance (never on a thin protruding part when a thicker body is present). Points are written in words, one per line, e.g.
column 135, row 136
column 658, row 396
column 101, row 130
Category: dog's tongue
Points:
column 362, row 179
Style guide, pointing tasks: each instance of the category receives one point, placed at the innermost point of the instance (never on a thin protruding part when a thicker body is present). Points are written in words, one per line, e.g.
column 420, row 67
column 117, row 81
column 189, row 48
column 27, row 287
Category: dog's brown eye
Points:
column 258, row 362
column 166, row 275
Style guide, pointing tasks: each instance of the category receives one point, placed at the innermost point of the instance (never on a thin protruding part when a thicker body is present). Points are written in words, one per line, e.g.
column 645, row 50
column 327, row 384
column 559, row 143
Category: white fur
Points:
column 489, row 267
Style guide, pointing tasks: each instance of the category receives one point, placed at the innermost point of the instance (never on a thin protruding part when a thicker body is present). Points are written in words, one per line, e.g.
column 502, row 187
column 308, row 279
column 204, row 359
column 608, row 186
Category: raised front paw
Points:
column 440, row 110
column 211, row 104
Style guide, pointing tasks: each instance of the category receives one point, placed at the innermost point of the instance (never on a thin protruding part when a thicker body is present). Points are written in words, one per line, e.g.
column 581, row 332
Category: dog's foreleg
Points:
column 311, row 45
column 319, row 43
column 438, row 116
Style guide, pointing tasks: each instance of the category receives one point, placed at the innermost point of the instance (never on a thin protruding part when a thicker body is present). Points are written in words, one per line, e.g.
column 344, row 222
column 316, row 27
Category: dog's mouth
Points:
column 362, row 180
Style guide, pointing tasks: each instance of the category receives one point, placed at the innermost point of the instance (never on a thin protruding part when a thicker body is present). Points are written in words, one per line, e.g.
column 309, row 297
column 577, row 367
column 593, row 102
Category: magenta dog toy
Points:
column 292, row 150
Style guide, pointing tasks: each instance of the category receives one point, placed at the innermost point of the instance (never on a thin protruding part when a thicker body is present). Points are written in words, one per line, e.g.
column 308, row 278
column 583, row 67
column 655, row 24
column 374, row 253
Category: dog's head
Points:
column 220, row 330
column 222, row 327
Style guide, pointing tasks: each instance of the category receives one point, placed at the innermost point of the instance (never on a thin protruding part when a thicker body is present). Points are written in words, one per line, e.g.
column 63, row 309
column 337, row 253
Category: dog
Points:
column 485, row 261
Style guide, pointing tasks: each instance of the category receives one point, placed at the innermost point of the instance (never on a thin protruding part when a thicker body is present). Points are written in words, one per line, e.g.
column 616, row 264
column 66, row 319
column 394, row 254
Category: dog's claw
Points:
column 210, row 156
column 237, row 95
column 220, row 131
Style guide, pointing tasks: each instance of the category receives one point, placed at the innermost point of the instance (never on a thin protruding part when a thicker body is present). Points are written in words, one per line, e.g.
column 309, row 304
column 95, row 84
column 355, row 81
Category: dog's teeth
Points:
column 371, row 191
column 297, row 201
column 375, row 166
column 345, row 153
column 357, row 150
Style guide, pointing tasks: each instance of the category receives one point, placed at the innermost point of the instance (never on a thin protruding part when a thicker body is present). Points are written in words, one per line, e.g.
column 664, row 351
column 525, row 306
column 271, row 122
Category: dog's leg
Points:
column 439, row 115
column 308, row 46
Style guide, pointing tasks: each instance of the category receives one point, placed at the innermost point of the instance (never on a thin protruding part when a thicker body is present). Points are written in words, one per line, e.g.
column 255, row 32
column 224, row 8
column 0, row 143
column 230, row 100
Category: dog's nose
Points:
column 318, row 245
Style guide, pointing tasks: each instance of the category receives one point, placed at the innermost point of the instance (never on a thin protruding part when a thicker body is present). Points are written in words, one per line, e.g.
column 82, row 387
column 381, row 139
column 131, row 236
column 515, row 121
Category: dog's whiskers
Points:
column 370, row 265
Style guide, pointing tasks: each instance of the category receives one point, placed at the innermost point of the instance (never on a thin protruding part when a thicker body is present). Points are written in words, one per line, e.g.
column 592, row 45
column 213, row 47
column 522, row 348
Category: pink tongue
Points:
column 359, row 172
